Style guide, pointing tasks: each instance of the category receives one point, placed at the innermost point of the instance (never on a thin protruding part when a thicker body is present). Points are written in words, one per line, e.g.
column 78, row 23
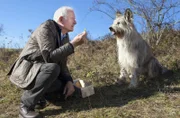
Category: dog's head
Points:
column 122, row 23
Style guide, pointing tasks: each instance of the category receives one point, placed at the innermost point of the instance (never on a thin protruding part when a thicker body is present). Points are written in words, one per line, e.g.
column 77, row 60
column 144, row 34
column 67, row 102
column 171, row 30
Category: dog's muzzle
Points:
column 112, row 30
column 119, row 34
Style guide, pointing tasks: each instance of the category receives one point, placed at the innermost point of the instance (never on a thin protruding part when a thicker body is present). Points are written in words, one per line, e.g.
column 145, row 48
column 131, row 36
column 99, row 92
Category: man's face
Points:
column 69, row 22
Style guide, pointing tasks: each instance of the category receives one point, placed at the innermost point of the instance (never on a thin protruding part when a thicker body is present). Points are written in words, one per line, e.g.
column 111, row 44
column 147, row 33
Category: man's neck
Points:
column 63, row 30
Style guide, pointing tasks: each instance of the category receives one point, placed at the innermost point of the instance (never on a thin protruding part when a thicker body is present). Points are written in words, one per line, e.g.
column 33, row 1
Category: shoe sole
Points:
column 20, row 116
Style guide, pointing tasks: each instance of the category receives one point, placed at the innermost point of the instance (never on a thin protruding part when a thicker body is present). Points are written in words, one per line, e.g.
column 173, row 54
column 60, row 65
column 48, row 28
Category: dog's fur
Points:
column 134, row 54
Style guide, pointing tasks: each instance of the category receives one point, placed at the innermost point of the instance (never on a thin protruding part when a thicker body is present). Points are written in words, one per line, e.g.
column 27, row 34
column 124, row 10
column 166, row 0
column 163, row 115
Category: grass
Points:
column 151, row 100
column 97, row 62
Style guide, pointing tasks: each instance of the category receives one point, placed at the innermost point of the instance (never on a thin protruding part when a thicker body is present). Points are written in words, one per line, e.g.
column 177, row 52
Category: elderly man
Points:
column 42, row 65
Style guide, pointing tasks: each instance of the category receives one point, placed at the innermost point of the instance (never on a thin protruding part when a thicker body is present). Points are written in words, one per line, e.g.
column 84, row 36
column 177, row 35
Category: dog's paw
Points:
column 131, row 86
column 121, row 81
column 133, row 83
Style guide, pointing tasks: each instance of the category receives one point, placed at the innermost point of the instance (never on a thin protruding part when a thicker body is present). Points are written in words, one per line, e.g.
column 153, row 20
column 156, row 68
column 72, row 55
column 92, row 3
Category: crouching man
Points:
column 42, row 65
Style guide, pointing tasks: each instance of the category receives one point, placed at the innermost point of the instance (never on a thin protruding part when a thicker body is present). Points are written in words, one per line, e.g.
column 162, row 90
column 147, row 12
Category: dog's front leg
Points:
column 123, row 76
column 133, row 79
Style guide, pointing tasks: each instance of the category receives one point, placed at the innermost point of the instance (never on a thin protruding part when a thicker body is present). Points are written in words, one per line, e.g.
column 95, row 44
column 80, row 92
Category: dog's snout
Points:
column 110, row 28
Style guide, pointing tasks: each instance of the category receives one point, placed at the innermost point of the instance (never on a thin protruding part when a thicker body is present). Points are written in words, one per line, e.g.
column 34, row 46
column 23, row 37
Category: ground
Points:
column 152, row 99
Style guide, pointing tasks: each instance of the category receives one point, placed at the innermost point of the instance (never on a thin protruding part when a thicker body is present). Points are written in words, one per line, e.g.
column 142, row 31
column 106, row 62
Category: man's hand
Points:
column 79, row 39
column 68, row 89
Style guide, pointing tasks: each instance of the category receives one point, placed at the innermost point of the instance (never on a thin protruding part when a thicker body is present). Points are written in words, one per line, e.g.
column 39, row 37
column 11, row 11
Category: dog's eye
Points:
column 118, row 23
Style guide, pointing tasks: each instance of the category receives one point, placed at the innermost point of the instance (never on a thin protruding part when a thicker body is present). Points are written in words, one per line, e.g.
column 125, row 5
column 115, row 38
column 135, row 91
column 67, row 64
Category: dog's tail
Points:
column 156, row 69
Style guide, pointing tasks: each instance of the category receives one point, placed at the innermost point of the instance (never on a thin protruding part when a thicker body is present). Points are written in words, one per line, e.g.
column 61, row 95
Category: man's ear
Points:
column 128, row 15
column 60, row 19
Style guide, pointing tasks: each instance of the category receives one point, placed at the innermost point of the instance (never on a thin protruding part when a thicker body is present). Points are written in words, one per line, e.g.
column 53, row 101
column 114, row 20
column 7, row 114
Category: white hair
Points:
column 62, row 11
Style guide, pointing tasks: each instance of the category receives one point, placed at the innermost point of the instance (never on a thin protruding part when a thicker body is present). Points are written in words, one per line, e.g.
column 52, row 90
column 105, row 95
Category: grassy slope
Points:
column 97, row 62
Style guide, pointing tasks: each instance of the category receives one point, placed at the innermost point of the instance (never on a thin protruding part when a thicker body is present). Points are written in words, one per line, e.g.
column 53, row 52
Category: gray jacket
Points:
column 44, row 46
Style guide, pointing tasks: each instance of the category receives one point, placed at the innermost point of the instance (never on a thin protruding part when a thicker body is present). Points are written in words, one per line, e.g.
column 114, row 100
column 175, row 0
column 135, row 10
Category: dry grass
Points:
column 96, row 61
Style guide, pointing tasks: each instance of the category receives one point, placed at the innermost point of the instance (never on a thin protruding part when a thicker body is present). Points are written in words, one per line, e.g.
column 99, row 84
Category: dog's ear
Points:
column 128, row 15
column 118, row 14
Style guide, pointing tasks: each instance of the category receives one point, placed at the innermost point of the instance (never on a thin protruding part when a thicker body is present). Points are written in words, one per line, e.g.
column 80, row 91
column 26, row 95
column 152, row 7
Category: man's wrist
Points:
column 69, row 82
column 73, row 44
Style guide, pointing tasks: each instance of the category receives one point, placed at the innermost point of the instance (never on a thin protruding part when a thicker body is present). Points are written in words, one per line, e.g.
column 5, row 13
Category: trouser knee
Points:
column 52, row 67
column 49, row 73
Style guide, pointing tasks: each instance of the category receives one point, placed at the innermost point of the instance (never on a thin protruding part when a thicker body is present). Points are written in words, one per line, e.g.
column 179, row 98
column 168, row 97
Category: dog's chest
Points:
column 126, row 55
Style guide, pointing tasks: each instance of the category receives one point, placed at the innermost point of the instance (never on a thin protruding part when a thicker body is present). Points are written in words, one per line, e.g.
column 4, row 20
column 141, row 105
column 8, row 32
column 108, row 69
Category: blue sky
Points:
column 17, row 16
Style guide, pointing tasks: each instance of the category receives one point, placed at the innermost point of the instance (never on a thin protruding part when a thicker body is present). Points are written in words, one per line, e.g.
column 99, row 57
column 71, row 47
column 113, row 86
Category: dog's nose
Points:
column 110, row 28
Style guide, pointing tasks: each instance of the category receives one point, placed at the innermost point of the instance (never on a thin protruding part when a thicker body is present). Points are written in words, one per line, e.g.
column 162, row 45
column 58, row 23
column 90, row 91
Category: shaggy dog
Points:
column 134, row 54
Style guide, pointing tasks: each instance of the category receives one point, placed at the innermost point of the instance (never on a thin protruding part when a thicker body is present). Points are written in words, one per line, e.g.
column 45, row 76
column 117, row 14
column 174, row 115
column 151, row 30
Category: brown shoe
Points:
column 41, row 104
column 25, row 112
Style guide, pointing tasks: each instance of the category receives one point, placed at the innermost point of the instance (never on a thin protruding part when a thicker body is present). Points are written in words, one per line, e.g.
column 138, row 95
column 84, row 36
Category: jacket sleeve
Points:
column 46, row 39
column 65, row 74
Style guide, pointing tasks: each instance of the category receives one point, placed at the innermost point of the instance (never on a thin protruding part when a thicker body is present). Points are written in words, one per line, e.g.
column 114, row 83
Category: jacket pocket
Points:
column 20, row 72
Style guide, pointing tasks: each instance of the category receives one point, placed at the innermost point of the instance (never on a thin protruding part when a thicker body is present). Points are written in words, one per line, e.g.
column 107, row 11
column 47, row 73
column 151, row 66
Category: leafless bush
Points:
column 154, row 16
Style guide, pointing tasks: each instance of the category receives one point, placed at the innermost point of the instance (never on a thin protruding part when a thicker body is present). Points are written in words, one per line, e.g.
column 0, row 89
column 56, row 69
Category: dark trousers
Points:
column 45, row 81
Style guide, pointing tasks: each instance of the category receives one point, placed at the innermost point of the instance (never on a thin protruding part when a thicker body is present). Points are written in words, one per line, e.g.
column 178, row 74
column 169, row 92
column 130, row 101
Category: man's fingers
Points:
column 67, row 95
column 64, row 90
column 83, row 33
column 69, row 89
